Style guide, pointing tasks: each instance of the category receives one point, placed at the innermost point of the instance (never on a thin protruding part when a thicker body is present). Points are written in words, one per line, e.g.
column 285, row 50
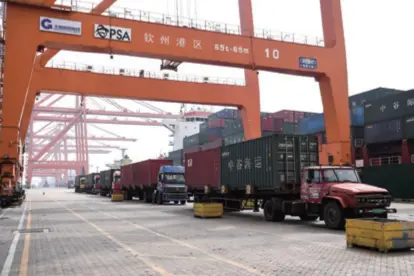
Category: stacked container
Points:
column 390, row 118
column 371, row 95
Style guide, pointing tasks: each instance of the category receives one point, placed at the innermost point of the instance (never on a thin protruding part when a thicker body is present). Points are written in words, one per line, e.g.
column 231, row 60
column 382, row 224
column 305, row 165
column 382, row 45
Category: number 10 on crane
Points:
column 272, row 53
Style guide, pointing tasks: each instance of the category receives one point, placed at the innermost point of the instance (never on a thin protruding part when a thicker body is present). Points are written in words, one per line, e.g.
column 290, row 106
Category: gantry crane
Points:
column 143, row 36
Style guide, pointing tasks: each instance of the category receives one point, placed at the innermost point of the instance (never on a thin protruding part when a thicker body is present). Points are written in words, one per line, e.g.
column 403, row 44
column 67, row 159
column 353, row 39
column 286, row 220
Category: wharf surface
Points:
column 64, row 233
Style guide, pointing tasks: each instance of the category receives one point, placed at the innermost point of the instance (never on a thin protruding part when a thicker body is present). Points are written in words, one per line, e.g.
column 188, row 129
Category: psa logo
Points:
column 112, row 33
column 56, row 25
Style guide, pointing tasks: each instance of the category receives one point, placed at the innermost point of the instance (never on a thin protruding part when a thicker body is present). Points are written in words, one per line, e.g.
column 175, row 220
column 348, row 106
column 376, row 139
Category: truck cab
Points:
column 333, row 194
column 116, row 181
column 82, row 184
column 171, row 185
column 96, row 184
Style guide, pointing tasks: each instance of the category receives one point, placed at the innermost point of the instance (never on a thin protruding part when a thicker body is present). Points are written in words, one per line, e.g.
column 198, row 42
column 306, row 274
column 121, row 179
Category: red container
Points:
column 272, row 124
column 192, row 149
column 290, row 116
column 216, row 123
column 126, row 176
column 212, row 145
column 145, row 173
column 203, row 169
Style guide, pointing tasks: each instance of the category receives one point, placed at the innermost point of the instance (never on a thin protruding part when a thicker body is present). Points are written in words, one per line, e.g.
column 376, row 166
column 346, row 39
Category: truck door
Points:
column 312, row 184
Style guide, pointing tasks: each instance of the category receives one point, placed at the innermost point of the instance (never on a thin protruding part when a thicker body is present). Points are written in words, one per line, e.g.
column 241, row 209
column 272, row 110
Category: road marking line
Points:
column 24, row 262
column 213, row 256
column 153, row 266
column 12, row 250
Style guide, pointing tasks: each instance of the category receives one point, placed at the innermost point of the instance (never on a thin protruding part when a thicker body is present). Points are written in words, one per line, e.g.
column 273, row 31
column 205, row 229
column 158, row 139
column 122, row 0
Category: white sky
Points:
column 379, row 45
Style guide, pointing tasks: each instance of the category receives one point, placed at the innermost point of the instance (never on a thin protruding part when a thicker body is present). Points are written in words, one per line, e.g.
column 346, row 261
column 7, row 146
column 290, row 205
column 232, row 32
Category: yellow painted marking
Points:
column 213, row 256
column 147, row 262
column 24, row 263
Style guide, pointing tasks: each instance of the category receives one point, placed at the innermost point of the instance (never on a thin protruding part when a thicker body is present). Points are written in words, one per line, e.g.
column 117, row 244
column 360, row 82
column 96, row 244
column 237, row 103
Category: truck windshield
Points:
column 174, row 178
column 82, row 181
column 117, row 178
column 341, row 175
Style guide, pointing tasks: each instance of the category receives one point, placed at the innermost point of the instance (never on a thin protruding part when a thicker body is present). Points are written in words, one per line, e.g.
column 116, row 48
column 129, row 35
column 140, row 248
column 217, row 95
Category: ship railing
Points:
column 194, row 23
column 131, row 72
column 384, row 160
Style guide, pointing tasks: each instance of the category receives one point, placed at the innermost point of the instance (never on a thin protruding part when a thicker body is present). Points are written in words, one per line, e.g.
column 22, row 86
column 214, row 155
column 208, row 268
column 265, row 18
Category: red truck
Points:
column 154, row 180
column 280, row 174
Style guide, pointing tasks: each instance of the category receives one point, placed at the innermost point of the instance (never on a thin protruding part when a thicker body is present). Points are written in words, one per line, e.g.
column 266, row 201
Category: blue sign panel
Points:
column 308, row 63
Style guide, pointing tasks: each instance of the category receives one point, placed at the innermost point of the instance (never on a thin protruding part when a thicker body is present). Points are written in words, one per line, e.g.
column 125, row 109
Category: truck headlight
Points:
column 185, row 188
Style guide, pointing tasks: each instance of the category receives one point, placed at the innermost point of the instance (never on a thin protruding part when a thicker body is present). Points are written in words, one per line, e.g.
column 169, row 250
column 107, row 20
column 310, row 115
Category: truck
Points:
column 71, row 184
column 80, row 182
column 281, row 175
column 91, row 180
column 154, row 180
column 109, row 180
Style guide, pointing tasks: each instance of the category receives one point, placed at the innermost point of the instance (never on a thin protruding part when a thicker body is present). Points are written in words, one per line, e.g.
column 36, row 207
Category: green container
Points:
column 398, row 179
column 290, row 128
column 270, row 163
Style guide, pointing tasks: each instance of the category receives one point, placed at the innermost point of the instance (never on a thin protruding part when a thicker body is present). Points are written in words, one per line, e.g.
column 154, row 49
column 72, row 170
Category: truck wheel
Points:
column 182, row 202
column 333, row 215
column 270, row 213
column 308, row 218
column 175, row 202
column 159, row 199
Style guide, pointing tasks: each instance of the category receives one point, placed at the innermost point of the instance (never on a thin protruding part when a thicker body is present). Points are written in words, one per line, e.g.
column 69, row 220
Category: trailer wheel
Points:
column 176, row 202
column 270, row 212
column 333, row 215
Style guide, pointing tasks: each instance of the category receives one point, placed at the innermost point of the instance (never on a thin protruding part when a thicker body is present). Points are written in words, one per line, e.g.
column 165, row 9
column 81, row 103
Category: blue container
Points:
column 316, row 123
column 215, row 131
column 313, row 124
column 383, row 132
column 226, row 113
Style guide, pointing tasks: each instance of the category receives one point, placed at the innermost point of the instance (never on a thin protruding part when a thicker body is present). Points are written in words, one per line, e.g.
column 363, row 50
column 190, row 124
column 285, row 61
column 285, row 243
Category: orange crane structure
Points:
column 36, row 29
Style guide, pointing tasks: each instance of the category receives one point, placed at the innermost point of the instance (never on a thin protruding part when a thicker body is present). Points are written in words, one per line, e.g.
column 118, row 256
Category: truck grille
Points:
column 373, row 199
column 174, row 189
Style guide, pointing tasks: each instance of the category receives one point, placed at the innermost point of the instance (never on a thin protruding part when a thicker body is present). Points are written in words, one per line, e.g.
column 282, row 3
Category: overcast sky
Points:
column 379, row 44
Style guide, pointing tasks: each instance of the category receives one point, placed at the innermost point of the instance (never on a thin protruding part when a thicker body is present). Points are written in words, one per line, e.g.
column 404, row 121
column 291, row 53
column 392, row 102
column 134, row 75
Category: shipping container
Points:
column 106, row 179
column 291, row 116
column 226, row 113
column 408, row 127
column 371, row 95
column 290, row 128
column 389, row 108
column 272, row 124
column 271, row 163
column 203, row 169
column 217, row 123
column 316, row 123
column 191, row 140
column 127, row 176
column 383, row 132
column 177, row 157
column 90, row 181
column 145, row 173
column 191, row 149
column 211, row 145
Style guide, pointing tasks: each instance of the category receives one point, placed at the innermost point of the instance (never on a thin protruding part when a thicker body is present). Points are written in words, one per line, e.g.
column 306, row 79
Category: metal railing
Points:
column 387, row 160
column 145, row 74
column 200, row 24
